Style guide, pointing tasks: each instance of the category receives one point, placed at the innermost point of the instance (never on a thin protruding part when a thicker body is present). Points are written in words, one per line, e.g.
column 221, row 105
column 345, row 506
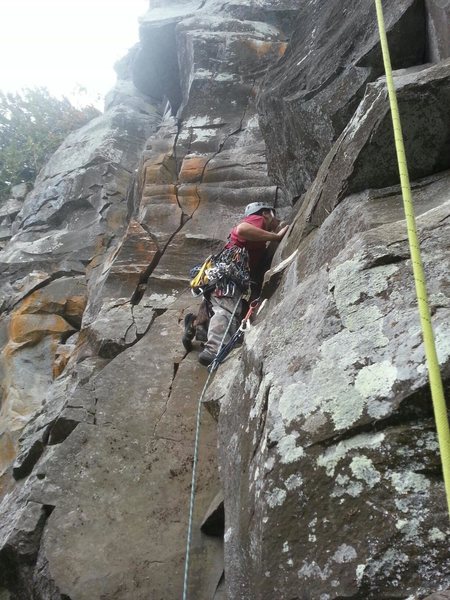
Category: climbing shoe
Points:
column 205, row 358
column 189, row 331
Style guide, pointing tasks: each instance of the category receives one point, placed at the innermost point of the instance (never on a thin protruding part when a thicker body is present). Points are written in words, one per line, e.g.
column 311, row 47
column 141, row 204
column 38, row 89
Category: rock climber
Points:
column 238, row 271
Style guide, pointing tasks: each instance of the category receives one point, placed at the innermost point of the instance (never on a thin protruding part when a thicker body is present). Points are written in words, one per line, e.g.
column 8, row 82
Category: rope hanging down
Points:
column 194, row 466
column 434, row 374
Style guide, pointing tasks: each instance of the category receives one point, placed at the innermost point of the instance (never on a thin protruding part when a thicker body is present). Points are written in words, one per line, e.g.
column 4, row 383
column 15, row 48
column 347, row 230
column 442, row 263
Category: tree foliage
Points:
column 32, row 126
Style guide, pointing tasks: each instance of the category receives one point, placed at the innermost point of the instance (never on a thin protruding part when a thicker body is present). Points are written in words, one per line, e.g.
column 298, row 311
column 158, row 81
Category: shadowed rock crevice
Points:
column 261, row 422
column 20, row 550
column 24, row 467
column 214, row 520
column 62, row 428
column 140, row 289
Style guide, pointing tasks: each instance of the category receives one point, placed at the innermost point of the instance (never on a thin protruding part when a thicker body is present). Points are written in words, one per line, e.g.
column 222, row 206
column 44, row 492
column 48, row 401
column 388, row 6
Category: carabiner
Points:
column 196, row 292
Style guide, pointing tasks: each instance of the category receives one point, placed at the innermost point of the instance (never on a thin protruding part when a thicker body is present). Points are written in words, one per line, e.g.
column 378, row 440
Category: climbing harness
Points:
column 195, row 460
column 238, row 335
column 434, row 374
column 223, row 272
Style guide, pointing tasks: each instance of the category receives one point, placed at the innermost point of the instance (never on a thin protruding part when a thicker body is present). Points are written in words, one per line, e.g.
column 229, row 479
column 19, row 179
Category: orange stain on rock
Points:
column 154, row 190
column 61, row 359
column 193, row 168
column 29, row 329
column 282, row 48
column 30, row 304
column 8, row 451
column 160, row 170
column 75, row 306
column 261, row 48
column 189, row 198
column 39, row 303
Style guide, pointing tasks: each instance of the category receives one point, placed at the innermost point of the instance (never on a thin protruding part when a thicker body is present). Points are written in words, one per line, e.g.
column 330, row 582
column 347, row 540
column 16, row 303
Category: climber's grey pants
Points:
column 223, row 309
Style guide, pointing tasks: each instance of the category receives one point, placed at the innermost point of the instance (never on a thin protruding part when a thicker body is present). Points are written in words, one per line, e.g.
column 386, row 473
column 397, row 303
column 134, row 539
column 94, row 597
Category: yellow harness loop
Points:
column 199, row 279
column 434, row 374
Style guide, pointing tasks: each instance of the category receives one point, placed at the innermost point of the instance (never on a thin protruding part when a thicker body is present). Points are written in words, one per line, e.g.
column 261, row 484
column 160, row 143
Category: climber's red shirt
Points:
column 255, row 249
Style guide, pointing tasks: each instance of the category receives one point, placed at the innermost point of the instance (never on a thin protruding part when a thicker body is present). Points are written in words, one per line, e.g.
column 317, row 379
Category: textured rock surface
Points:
column 363, row 156
column 75, row 214
column 330, row 484
column 438, row 29
column 310, row 95
column 109, row 455
column 339, row 416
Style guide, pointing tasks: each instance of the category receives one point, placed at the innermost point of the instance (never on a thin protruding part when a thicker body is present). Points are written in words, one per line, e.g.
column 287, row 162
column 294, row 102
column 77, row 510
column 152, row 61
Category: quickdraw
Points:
column 246, row 323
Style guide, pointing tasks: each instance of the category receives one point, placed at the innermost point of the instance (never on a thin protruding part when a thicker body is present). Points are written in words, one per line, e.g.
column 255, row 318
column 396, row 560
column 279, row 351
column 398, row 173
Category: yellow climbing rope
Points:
column 434, row 374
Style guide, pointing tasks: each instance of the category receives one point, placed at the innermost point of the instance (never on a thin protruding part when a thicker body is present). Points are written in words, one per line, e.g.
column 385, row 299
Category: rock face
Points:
column 310, row 95
column 337, row 416
column 9, row 211
column 327, row 481
column 438, row 29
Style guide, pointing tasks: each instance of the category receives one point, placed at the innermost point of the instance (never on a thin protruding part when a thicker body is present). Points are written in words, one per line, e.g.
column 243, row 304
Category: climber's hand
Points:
column 282, row 233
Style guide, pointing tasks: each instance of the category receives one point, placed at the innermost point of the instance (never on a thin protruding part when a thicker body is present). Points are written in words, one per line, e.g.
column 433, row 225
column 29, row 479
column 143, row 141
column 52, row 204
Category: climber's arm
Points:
column 255, row 234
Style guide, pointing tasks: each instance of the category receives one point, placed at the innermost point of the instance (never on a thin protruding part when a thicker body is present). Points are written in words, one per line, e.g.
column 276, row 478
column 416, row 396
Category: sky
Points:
column 66, row 44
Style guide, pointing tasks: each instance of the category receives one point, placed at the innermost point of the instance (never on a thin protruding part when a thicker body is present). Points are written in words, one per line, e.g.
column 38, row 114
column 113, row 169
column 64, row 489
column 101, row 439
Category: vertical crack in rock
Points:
column 174, row 150
column 222, row 144
column 143, row 279
column 131, row 326
column 261, row 422
column 184, row 218
column 95, row 409
column 169, row 393
column 222, row 57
